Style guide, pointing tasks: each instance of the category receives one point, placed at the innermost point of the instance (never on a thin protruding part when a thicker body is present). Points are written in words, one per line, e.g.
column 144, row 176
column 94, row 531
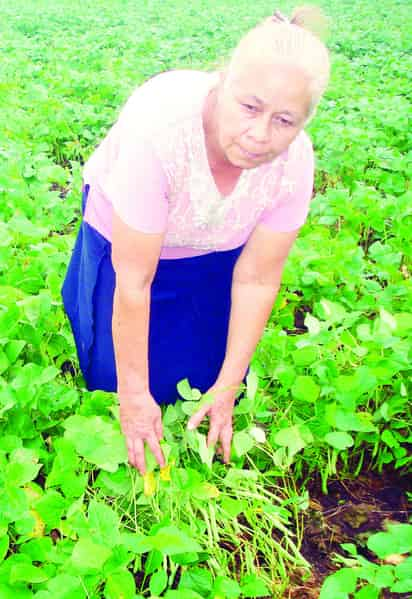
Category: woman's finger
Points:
column 213, row 435
column 153, row 443
column 158, row 429
column 131, row 452
column 226, row 440
column 140, row 462
column 197, row 418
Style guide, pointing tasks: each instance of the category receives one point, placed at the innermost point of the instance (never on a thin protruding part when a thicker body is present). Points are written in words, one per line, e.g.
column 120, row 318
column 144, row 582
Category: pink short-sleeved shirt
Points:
column 152, row 170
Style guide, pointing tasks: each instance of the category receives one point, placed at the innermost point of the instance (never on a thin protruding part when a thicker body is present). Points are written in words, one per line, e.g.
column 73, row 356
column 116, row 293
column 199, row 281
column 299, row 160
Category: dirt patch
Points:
column 350, row 512
column 63, row 190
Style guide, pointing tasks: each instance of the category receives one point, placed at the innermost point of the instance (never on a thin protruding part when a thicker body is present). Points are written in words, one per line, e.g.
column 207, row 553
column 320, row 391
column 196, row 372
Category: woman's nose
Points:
column 259, row 131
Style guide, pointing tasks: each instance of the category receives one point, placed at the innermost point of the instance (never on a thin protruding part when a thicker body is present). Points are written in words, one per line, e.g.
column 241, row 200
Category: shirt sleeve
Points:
column 137, row 187
column 296, row 188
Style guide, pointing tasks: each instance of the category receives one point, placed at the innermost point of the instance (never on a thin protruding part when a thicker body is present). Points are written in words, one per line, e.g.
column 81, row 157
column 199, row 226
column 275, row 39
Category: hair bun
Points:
column 313, row 19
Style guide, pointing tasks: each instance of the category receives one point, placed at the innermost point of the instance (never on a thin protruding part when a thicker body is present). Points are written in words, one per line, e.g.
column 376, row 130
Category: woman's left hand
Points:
column 220, row 414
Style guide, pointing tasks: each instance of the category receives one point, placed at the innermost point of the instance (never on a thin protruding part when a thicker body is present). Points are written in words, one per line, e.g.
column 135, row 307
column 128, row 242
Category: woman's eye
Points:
column 249, row 107
column 284, row 122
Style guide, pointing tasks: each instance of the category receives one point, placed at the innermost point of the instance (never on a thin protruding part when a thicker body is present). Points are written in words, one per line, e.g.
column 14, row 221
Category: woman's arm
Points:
column 135, row 257
column 255, row 284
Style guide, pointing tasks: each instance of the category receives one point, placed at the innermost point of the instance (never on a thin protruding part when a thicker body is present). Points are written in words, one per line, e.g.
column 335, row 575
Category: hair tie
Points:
column 278, row 17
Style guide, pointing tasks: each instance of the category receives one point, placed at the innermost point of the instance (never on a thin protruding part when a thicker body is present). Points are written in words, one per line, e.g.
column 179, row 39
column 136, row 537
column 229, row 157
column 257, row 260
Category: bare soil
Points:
column 350, row 512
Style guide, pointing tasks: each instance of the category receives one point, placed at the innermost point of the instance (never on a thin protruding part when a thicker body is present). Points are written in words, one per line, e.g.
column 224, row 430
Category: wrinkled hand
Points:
column 220, row 414
column 141, row 420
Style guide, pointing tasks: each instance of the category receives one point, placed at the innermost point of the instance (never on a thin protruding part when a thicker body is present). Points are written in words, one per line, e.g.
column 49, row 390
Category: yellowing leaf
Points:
column 149, row 484
column 39, row 525
column 211, row 490
column 32, row 491
column 165, row 473
column 283, row 303
column 394, row 559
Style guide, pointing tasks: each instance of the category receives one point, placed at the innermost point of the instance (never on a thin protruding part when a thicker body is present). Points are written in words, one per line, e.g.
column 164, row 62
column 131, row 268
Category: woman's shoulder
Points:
column 165, row 99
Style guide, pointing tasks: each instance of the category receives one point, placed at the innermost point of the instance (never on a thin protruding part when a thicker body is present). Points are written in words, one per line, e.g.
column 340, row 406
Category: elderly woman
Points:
column 191, row 204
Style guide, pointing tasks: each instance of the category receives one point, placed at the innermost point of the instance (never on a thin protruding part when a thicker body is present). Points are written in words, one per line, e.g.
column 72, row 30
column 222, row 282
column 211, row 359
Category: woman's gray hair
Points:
column 296, row 41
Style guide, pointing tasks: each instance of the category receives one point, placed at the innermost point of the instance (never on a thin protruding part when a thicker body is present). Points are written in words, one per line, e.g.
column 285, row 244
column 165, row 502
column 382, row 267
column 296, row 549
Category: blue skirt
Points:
column 189, row 315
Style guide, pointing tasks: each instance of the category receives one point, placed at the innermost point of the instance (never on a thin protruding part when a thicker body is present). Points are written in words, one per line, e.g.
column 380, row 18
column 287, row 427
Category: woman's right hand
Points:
column 141, row 420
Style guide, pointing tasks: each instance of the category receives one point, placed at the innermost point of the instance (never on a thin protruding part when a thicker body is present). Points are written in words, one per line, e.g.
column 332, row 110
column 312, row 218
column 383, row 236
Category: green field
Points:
column 327, row 399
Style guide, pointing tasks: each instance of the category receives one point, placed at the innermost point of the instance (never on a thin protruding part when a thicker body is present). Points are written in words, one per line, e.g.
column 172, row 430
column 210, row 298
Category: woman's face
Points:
column 258, row 112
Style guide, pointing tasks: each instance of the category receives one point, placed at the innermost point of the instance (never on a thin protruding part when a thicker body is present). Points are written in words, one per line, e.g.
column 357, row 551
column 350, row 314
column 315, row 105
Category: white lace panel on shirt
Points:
column 199, row 216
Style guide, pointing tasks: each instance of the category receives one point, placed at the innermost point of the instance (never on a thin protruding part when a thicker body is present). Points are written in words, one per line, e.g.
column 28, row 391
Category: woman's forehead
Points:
column 271, row 83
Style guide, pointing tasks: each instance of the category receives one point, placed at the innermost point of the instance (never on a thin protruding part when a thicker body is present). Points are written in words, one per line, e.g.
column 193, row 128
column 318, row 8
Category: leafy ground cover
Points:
column 327, row 402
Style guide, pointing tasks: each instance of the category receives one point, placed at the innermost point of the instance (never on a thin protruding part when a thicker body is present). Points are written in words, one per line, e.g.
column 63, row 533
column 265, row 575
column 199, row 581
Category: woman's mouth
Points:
column 251, row 155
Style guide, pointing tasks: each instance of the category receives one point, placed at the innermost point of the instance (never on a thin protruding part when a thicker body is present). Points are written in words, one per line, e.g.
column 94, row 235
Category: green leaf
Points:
column 312, row 323
column 340, row 584
column 185, row 389
column 197, row 579
column 397, row 540
column 64, row 470
column 404, row 569
column 402, row 586
column 384, row 577
column 185, row 559
column 170, row 540
column 120, row 585
column 158, row 582
column 253, row 586
column 233, row 507
column 236, row 478
column 350, row 548
column 354, row 421
column 15, row 592
column 339, row 440
column 38, row 549
column 190, row 407
column 331, row 311
column 7, row 400
column 224, row 588
column 153, row 562
column 252, row 384
column 4, row 362
column 305, row 356
column 9, row 321
column 206, row 453
column 51, row 508
column 116, row 483
column 24, row 572
column 9, row 443
column 13, row 504
column 48, row 374
column 13, row 349
column 389, row 439
column 258, row 434
column 182, row 594
column 305, row 389
column 367, row 592
column 66, row 586
column 295, row 438
column 4, row 546
column 20, row 473
column 99, row 442
column 242, row 442
column 88, row 555
column 104, row 524
column 136, row 543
